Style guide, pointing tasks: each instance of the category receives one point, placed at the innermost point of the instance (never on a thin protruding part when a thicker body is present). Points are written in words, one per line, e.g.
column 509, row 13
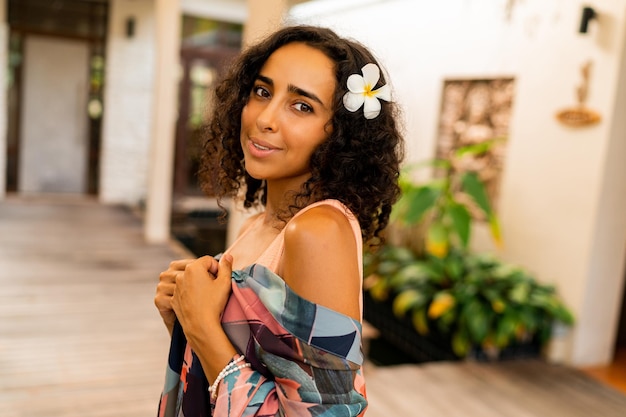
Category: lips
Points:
column 260, row 148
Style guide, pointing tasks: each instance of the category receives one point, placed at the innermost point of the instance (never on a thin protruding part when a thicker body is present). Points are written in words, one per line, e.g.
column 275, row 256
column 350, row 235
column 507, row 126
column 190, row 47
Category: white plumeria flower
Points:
column 361, row 92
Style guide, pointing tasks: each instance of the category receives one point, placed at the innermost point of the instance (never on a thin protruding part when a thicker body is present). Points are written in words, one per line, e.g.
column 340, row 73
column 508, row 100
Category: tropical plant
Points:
column 448, row 203
column 474, row 300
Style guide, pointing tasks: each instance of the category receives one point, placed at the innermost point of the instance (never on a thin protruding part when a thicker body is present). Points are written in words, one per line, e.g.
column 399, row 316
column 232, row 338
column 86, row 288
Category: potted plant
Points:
column 456, row 303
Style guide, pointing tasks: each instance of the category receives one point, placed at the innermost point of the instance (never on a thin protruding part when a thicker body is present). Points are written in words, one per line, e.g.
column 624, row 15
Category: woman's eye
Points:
column 261, row 91
column 303, row 107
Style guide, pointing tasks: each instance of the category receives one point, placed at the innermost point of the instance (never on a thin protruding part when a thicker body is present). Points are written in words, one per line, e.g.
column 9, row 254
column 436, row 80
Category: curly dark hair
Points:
column 359, row 162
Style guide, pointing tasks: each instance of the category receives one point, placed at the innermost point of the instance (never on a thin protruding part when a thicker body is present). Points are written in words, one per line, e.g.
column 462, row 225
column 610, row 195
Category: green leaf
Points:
column 473, row 186
column 418, row 202
column 477, row 148
column 461, row 220
column 564, row 315
column 528, row 317
column 447, row 319
column 399, row 209
column 405, row 183
column 454, row 267
column 494, row 226
column 407, row 300
column 477, row 321
column 461, row 344
column 435, row 270
column 420, row 322
column 505, row 331
column 379, row 291
column 398, row 254
column 413, row 273
column 466, row 291
column 520, row 293
column 498, row 305
column 387, row 268
column 436, row 163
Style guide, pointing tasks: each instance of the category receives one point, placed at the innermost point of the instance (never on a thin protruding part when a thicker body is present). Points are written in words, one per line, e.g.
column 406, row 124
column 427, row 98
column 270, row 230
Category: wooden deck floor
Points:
column 79, row 336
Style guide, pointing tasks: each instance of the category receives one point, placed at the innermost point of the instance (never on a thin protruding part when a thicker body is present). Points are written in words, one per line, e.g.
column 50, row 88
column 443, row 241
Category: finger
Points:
column 167, row 276
column 163, row 302
column 180, row 264
column 205, row 263
column 166, row 288
column 174, row 298
column 225, row 267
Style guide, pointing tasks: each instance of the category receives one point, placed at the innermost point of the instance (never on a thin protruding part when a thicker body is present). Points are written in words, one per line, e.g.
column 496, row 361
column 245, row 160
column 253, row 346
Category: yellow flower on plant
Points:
column 442, row 302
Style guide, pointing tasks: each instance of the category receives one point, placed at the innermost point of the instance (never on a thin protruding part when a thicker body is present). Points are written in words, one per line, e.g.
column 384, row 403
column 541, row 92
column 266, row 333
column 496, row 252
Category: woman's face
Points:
column 287, row 114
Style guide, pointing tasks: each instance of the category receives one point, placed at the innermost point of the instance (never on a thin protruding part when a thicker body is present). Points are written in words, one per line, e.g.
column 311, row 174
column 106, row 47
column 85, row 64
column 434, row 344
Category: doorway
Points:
column 55, row 84
column 53, row 123
column 207, row 49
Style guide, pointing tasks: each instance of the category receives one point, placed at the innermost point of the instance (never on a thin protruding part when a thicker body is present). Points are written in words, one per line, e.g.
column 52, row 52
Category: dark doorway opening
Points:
column 207, row 49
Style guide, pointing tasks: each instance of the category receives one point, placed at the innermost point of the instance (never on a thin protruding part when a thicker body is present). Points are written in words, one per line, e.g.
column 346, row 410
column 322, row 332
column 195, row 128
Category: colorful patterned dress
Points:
column 306, row 359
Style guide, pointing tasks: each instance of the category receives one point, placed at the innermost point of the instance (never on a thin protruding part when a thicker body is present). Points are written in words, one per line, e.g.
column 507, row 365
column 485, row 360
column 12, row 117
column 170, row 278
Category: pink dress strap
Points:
column 271, row 257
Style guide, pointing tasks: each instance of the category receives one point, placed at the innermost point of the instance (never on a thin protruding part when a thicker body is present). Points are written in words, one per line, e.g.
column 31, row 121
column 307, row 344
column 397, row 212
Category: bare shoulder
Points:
column 320, row 261
column 321, row 221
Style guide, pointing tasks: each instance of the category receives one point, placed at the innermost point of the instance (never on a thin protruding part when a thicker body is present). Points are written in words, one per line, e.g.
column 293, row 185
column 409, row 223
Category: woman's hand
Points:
column 165, row 291
column 200, row 296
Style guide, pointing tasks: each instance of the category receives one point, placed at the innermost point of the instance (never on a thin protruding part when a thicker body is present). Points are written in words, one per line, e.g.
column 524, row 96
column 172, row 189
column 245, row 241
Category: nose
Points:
column 267, row 119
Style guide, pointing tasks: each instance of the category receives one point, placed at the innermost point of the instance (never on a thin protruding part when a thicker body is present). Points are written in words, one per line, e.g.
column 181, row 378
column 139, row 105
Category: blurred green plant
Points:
column 446, row 203
column 474, row 299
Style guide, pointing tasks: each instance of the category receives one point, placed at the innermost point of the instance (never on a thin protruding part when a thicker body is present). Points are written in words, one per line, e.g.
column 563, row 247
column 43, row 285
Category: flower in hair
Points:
column 361, row 92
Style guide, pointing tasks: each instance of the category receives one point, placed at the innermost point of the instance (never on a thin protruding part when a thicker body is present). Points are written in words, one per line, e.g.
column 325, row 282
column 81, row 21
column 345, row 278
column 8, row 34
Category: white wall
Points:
column 601, row 293
column 127, row 119
column 234, row 11
column 562, row 203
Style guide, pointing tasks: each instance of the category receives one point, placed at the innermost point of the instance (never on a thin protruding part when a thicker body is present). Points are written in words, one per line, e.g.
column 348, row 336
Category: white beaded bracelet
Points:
column 230, row 368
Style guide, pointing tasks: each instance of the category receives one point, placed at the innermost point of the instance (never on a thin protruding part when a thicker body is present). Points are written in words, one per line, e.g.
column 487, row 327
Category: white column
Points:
column 4, row 45
column 159, row 197
column 264, row 16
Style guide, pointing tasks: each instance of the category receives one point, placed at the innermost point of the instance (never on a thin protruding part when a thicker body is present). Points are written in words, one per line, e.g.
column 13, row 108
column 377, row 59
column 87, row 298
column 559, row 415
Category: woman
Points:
column 305, row 127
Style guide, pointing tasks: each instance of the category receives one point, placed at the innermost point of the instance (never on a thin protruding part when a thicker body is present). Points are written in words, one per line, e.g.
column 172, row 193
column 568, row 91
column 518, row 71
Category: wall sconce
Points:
column 130, row 27
column 588, row 15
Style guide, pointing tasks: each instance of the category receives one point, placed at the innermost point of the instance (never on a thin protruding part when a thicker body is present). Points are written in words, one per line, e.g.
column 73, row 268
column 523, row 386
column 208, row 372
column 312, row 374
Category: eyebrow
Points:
column 292, row 89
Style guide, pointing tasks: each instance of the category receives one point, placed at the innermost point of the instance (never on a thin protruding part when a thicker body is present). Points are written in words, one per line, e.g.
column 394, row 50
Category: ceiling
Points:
column 88, row 18
column 71, row 18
